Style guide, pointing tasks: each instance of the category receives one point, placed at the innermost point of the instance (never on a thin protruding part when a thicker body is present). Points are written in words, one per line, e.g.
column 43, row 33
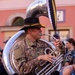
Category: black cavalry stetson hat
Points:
column 31, row 22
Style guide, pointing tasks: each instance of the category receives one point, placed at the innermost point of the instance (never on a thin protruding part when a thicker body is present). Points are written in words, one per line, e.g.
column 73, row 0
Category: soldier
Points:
column 2, row 69
column 29, row 52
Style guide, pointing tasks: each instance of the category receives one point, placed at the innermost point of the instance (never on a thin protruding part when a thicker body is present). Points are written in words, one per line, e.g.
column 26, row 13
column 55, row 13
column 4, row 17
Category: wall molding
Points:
column 10, row 28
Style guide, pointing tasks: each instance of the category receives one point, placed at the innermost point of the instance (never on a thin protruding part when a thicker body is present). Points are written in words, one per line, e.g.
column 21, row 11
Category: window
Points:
column 63, row 33
column 60, row 15
column 18, row 22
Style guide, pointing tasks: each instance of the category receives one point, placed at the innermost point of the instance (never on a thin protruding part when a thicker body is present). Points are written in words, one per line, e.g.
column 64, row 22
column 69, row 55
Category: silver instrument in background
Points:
column 36, row 9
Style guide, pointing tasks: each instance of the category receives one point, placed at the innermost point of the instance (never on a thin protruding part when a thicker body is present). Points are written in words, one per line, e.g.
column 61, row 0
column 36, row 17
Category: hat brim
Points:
column 32, row 25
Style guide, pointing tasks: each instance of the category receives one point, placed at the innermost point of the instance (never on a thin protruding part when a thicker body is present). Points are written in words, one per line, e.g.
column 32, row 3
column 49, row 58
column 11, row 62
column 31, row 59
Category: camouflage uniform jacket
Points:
column 26, row 53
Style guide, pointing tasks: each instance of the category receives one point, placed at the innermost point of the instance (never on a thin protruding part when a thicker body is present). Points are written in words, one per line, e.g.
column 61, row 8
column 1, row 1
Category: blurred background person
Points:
column 2, row 70
column 69, row 57
column 60, row 46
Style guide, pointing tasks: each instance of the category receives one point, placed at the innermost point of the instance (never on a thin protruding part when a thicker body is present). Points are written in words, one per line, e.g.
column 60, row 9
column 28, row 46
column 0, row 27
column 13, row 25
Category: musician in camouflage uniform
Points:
column 30, row 50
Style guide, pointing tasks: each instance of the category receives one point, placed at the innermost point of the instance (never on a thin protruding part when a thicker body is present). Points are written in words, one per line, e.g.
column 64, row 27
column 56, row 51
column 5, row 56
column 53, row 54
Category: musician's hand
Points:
column 46, row 57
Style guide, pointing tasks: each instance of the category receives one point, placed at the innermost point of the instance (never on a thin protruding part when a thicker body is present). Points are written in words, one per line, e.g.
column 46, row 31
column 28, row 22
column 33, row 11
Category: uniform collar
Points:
column 30, row 43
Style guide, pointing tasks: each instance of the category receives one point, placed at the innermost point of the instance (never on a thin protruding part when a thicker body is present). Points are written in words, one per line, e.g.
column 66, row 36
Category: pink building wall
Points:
column 7, row 13
column 4, row 16
column 69, row 19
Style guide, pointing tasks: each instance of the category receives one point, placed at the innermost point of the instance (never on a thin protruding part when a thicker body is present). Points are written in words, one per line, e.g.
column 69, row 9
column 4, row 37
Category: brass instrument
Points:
column 36, row 9
column 46, row 68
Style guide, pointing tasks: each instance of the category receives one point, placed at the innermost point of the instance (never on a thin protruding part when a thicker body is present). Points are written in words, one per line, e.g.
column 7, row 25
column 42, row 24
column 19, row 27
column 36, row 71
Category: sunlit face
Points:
column 35, row 33
column 57, row 42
